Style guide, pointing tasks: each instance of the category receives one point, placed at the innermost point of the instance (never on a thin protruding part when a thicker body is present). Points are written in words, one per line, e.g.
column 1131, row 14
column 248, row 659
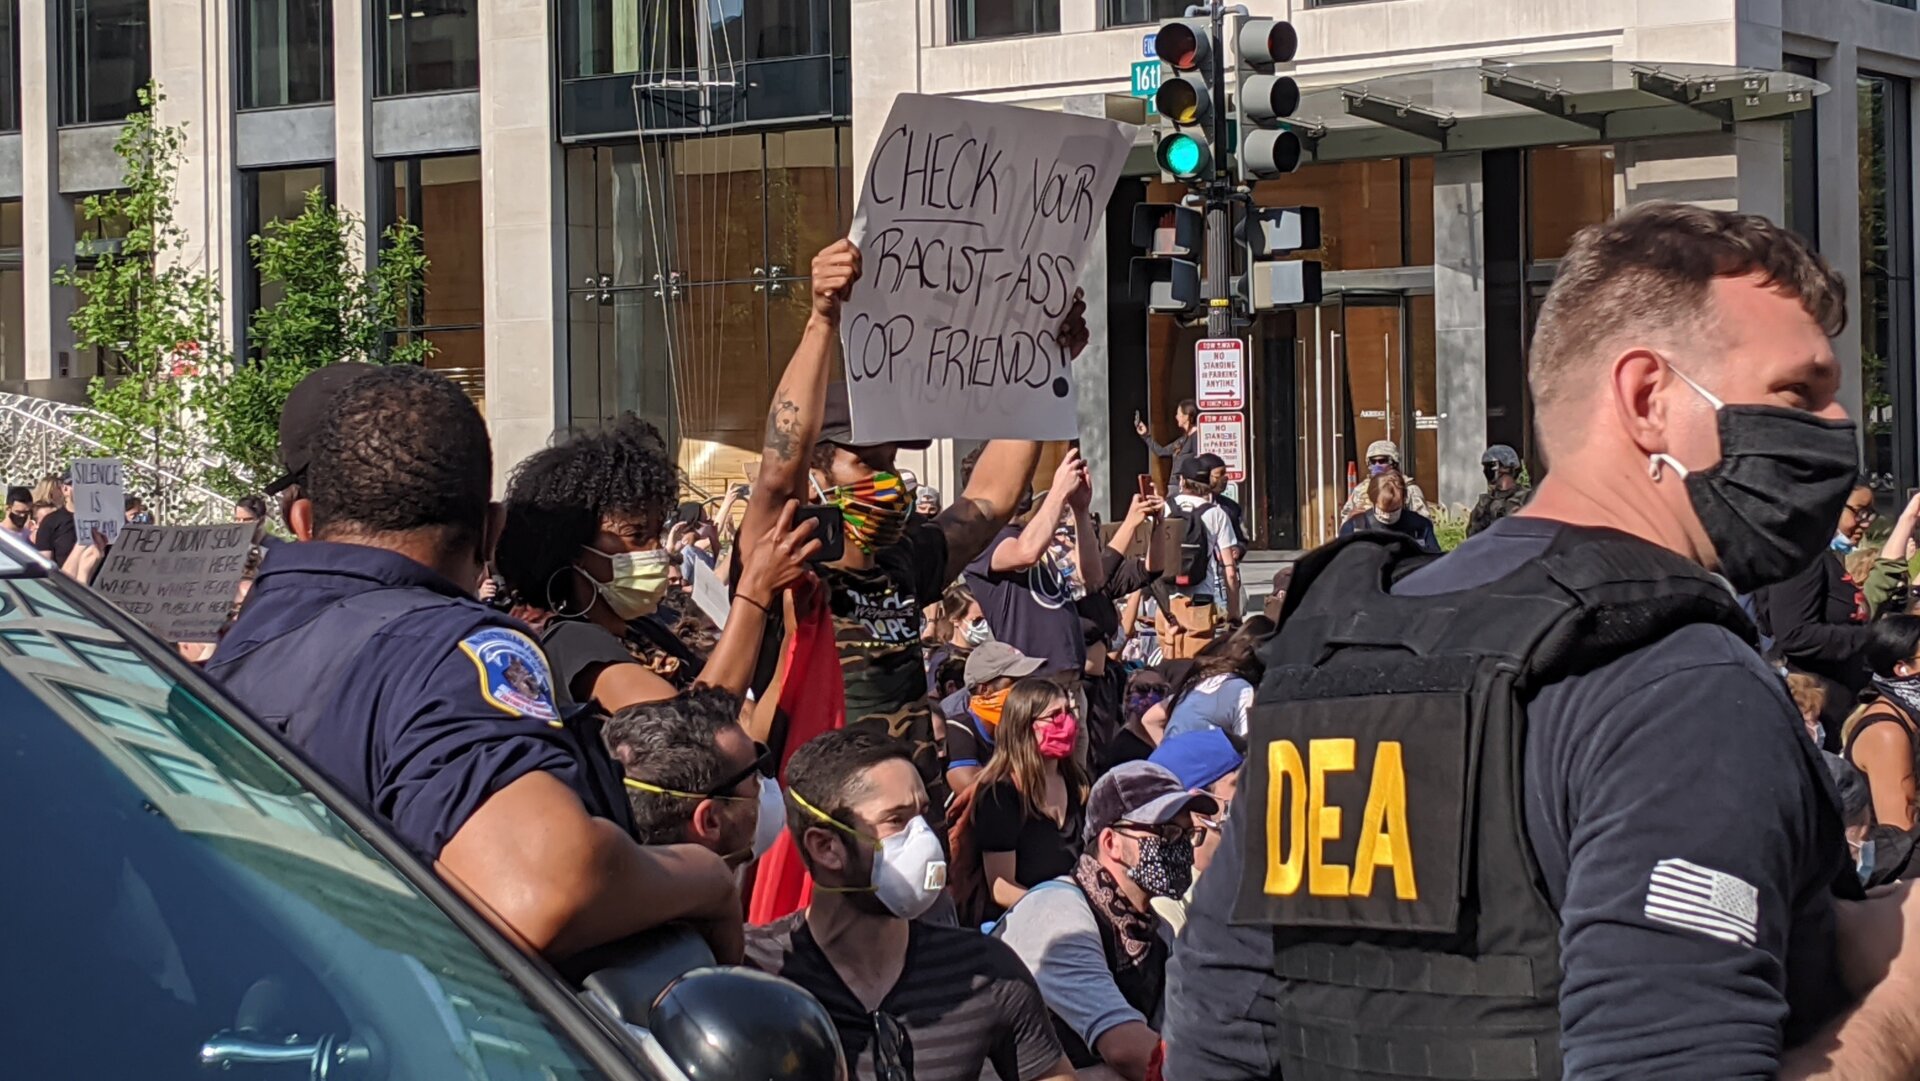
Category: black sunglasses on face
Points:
column 1170, row 834
column 762, row 762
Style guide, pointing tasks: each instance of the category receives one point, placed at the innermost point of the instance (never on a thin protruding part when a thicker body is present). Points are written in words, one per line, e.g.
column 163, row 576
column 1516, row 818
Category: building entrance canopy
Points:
column 1496, row 104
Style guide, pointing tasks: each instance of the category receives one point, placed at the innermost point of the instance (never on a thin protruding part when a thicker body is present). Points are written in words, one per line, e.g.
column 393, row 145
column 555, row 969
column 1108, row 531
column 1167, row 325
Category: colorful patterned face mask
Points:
column 875, row 510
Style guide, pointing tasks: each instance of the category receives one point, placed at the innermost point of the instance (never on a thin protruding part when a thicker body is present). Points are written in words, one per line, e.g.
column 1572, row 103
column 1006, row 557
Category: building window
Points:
column 613, row 37
column 687, row 266
column 1141, row 12
column 104, row 59
column 1568, row 189
column 272, row 195
column 286, row 52
column 9, row 65
column 13, row 295
column 426, row 46
column 1802, row 162
column 977, row 20
column 441, row 196
column 1886, row 284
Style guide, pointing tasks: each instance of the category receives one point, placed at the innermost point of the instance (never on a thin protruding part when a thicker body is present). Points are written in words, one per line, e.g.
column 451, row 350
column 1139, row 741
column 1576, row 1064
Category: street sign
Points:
column 1145, row 80
column 1220, row 373
column 1225, row 434
column 1146, row 44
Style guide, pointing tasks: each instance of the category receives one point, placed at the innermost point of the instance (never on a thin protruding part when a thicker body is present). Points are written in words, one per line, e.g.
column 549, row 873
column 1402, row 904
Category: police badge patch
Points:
column 513, row 673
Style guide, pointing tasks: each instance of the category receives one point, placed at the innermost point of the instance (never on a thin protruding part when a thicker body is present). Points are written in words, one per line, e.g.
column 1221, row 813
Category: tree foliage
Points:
column 148, row 308
column 328, row 310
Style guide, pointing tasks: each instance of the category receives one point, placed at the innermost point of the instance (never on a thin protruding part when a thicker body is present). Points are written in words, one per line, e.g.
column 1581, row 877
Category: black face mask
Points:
column 1769, row 505
column 18, row 520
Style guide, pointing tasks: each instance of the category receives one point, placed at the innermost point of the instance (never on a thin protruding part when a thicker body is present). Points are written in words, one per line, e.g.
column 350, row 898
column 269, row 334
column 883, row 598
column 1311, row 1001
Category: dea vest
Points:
column 1384, row 780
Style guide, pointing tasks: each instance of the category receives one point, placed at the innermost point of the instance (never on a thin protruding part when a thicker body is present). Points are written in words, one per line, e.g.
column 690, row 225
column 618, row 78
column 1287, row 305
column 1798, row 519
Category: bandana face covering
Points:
column 988, row 707
column 875, row 510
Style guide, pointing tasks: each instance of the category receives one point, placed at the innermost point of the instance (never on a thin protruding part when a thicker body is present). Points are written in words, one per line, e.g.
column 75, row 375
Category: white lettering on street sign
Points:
column 1220, row 373
column 975, row 220
column 1144, row 81
column 178, row 580
column 1225, row 434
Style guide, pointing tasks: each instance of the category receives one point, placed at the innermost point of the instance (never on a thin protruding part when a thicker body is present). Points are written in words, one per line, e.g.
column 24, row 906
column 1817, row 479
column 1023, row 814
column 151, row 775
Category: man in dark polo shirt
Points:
column 911, row 1001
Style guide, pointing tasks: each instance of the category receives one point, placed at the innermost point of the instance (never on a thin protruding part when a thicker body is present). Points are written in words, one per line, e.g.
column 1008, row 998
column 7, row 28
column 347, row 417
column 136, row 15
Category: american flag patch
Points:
column 1696, row 898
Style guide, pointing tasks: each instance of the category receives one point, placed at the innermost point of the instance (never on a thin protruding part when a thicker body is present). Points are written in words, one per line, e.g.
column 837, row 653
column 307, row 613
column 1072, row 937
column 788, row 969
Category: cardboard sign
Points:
column 178, row 580
column 99, row 498
column 1225, row 434
column 1220, row 373
column 973, row 224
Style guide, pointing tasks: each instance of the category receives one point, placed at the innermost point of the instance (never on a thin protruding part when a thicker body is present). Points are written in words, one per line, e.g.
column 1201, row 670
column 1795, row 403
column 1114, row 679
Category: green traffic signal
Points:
column 1184, row 156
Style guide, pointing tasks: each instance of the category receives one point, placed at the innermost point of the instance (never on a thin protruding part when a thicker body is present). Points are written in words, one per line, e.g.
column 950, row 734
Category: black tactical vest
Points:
column 1387, row 844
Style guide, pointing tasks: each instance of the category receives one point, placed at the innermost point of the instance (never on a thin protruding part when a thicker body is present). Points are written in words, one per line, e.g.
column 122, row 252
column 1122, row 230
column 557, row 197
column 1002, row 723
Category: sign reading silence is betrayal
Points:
column 974, row 222
column 178, row 580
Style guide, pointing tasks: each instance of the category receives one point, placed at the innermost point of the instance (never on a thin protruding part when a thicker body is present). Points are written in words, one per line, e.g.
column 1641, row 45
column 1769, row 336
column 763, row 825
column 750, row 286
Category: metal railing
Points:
column 39, row 437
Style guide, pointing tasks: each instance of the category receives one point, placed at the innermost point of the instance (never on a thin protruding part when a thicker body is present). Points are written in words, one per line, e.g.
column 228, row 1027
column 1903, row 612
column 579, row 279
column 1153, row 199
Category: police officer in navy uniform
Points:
column 1537, row 808
column 365, row 649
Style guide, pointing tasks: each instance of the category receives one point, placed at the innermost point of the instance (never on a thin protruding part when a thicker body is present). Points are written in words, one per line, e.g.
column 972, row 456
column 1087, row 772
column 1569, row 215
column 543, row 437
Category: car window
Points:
column 177, row 902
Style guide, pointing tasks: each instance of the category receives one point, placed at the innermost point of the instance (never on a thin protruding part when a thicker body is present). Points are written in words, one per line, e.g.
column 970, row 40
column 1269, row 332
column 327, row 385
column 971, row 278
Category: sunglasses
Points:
column 762, row 761
column 1169, row 833
column 892, row 1053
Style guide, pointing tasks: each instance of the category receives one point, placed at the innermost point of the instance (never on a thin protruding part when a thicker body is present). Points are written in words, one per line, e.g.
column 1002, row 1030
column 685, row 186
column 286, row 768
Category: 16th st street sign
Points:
column 1145, row 81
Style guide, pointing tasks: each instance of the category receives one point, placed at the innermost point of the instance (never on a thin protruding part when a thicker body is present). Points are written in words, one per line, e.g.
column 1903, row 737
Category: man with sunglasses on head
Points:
column 911, row 1000
column 694, row 776
column 1091, row 937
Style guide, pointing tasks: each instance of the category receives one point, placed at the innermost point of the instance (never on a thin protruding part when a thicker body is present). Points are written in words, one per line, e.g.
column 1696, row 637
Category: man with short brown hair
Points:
column 1654, row 843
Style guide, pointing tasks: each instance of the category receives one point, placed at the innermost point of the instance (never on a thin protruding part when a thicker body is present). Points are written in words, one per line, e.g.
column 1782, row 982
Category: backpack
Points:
column 1186, row 546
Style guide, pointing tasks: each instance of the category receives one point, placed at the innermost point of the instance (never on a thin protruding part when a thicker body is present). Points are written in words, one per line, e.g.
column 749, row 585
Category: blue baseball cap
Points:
column 1198, row 758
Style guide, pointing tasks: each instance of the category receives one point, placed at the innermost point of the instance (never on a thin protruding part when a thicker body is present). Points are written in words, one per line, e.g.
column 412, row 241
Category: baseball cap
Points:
column 998, row 660
column 1194, row 469
column 1198, row 758
column 836, row 422
column 304, row 415
column 1141, row 793
column 1383, row 448
column 1211, row 461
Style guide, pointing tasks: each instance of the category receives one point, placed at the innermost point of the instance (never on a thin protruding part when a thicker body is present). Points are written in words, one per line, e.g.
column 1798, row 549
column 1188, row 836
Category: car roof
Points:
column 18, row 559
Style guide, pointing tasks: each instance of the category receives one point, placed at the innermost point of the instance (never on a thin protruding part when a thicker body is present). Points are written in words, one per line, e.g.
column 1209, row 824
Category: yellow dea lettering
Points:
column 1301, row 822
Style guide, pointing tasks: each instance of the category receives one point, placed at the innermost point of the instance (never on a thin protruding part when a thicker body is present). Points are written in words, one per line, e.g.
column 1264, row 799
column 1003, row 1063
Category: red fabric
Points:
column 815, row 700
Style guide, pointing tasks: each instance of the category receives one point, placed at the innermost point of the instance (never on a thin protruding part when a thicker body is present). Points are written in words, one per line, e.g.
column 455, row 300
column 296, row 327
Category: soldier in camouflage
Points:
column 1505, row 494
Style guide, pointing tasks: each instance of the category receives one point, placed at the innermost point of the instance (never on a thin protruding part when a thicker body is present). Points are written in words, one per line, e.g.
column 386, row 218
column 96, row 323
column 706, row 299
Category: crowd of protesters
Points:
column 951, row 763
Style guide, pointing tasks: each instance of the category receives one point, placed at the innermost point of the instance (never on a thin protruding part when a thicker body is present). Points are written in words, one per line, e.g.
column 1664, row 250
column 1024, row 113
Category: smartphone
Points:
column 1145, row 481
column 828, row 528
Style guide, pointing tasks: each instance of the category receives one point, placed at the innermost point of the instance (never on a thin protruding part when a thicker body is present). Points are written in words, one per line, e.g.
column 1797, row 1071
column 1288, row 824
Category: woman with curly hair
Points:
column 582, row 547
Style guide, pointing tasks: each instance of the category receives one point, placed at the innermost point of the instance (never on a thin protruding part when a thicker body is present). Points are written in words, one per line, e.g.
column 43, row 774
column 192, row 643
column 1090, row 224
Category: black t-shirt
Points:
column 1031, row 610
column 1410, row 523
column 578, row 650
column 1041, row 849
column 1687, row 750
column 56, row 534
column 1126, row 747
column 876, row 623
column 963, row 999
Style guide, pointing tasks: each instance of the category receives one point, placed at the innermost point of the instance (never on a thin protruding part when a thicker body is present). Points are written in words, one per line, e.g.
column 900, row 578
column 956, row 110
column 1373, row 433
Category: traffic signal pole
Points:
column 1219, row 190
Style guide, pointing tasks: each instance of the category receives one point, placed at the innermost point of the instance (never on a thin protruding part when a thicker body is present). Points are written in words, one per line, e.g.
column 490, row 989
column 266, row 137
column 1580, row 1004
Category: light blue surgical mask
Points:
column 1865, row 863
column 1842, row 545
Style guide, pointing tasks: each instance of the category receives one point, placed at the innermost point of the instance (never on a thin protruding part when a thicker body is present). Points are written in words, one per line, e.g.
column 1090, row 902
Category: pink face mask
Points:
column 1056, row 734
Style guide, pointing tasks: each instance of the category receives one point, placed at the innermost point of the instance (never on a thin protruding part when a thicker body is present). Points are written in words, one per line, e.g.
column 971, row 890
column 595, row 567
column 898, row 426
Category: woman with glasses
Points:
column 1818, row 618
column 582, row 553
column 1019, row 824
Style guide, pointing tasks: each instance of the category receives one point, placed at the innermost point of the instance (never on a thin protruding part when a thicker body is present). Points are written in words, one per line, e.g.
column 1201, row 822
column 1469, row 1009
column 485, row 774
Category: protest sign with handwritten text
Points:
column 973, row 224
column 99, row 498
column 178, row 580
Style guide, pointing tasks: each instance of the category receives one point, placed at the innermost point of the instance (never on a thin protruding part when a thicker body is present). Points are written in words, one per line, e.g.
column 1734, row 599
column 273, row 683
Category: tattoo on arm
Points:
column 783, row 430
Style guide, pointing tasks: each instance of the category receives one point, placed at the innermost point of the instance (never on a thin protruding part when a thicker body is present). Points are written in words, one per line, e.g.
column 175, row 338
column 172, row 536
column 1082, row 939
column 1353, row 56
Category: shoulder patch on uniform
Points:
column 514, row 677
column 1695, row 898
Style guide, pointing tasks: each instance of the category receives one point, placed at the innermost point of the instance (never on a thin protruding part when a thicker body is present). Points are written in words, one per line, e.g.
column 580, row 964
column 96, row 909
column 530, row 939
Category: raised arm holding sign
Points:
column 974, row 222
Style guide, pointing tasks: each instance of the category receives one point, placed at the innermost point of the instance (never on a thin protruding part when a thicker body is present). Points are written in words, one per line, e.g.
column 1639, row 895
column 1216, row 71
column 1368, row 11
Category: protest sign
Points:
column 99, row 498
column 973, row 224
column 710, row 593
column 178, row 580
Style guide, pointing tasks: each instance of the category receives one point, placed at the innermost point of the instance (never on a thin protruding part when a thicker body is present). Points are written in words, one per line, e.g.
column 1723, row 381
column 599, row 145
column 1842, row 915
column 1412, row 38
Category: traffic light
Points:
column 1185, row 98
column 1167, row 277
column 1270, row 282
column 1264, row 99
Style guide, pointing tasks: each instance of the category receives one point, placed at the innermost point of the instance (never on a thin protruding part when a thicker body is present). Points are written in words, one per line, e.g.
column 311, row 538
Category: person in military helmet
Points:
column 1383, row 455
column 1538, row 808
column 1505, row 494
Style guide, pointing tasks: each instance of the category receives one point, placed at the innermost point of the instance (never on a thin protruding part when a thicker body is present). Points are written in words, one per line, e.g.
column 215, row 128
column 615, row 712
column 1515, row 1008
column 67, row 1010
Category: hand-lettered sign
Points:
column 973, row 224
column 99, row 498
column 178, row 580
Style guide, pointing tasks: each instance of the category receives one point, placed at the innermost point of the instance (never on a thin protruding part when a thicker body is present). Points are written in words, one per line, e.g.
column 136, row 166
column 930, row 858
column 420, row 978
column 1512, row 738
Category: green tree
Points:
column 155, row 315
column 328, row 311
